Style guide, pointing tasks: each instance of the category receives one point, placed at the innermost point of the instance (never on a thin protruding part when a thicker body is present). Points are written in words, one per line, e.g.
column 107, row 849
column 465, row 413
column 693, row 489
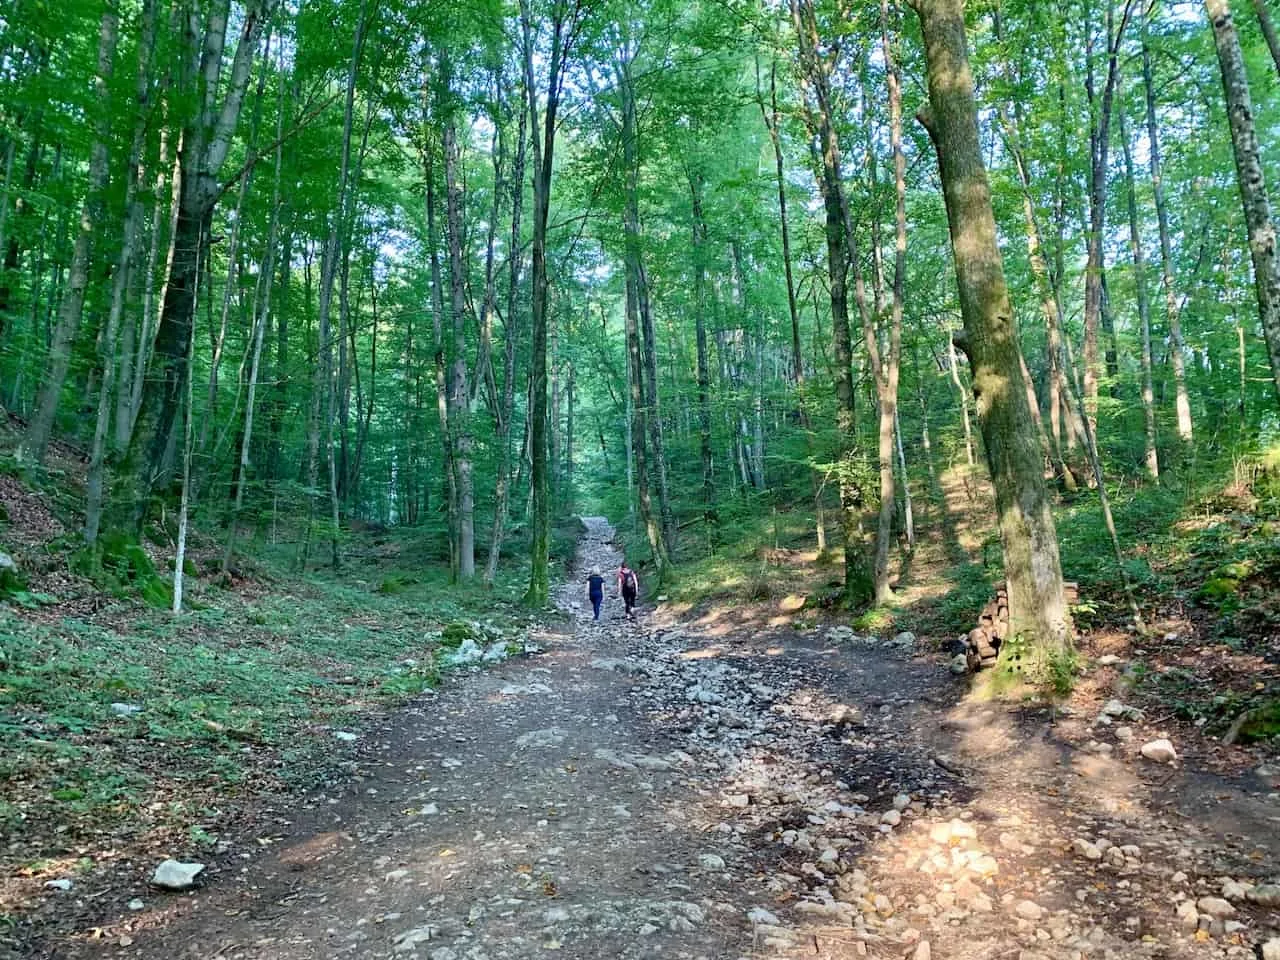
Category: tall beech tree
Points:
column 1037, row 606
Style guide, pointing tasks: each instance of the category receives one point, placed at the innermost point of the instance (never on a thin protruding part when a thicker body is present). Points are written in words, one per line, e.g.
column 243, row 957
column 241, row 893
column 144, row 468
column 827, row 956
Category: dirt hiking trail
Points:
column 649, row 790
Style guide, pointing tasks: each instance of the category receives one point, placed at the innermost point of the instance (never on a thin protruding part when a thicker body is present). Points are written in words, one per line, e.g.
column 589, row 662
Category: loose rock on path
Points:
column 647, row 790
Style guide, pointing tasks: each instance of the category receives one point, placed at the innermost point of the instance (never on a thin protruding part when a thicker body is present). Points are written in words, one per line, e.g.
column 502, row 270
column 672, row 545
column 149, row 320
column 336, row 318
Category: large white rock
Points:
column 1271, row 949
column 176, row 875
column 1161, row 751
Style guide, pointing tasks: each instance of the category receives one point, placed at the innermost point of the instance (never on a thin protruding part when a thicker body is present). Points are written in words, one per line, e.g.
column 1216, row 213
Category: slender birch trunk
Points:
column 1172, row 311
column 1250, row 178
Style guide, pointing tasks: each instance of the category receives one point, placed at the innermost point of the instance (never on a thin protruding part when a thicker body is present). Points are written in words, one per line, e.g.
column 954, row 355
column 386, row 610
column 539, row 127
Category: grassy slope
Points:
column 240, row 697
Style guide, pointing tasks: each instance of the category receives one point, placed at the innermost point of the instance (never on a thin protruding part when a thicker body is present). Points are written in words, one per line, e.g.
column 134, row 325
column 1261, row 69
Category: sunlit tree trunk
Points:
column 1033, row 570
column 1172, row 311
column 1151, row 456
column 1250, row 178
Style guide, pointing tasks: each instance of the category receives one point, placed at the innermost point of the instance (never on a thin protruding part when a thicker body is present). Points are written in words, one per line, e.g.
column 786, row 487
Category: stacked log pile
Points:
column 984, row 640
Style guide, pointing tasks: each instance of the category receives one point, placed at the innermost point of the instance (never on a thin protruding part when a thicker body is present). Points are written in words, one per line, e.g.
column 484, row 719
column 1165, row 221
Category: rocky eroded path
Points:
column 659, row 790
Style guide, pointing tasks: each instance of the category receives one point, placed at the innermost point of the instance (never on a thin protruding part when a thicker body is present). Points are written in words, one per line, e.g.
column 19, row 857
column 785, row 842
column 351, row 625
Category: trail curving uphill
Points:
column 653, row 790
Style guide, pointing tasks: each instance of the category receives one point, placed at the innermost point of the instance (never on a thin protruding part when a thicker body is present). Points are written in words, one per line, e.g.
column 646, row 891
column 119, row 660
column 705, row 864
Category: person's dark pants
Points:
column 629, row 598
column 596, row 600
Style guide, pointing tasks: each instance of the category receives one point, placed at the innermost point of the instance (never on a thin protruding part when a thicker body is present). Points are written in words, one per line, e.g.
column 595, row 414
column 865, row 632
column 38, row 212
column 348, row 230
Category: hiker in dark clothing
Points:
column 629, row 587
column 595, row 590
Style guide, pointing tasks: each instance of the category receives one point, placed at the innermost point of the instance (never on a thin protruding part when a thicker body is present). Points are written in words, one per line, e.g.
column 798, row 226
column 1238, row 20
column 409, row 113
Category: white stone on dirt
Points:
column 468, row 652
column 901, row 801
column 523, row 689
column 1215, row 907
column 1234, row 890
column 1265, row 895
column 1029, row 910
column 496, row 652
column 176, row 875
column 1188, row 915
column 760, row 915
column 891, row 817
column 346, row 736
column 904, row 639
column 1160, row 751
column 408, row 941
column 710, row 861
column 135, row 904
column 1124, row 734
column 61, row 885
column 125, row 709
column 541, row 739
column 1086, row 849
column 1109, row 660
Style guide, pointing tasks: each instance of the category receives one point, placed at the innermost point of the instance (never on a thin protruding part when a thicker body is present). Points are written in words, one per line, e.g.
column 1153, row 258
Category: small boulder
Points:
column 1188, row 915
column 125, row 709
column 1271, row 949
column 1029, row 910
column 176, row 875
column 1265, row 895
column 959, row 665
column 1159, row 751
column 61, row 885
column 1215, row 907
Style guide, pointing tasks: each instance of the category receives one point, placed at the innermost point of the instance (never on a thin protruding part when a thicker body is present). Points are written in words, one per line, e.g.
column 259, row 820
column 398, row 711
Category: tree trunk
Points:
column 885, row 368
column 1172, row 311
column 700, row 335
column 262, row 313
column 459, row 399
column 1268, row 31
column 1251, row 179
column 772, row 123
column 563, row 31
column 1151, row 456
column 40, row 429
column 501, row 487
column 1099, row 145
column 1038, row 609
column 859, row 580
column 645, row 431
column 120, row 281
column 206, row 139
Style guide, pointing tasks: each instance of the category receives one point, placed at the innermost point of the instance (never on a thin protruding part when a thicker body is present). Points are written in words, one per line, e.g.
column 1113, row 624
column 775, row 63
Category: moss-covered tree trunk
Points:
column 1038, row 610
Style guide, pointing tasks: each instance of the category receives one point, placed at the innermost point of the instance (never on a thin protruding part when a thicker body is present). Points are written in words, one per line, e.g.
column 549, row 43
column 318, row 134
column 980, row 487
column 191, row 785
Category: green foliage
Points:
column 121, row 566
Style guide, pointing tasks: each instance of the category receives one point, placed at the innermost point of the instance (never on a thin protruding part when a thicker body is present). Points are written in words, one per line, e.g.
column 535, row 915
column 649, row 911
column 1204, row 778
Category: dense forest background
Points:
column 296, row 268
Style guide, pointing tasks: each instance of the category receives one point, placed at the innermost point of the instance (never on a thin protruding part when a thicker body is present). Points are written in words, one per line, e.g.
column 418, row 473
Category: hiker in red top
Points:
column 628, row 586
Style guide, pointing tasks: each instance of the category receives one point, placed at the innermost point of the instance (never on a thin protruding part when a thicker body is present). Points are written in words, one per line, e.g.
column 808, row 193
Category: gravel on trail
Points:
column 667, row 790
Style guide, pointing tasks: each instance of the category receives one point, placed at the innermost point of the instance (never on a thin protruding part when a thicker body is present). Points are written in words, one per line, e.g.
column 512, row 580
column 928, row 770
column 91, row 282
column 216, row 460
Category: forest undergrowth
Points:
column 127, row 730
column 1203, row 555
